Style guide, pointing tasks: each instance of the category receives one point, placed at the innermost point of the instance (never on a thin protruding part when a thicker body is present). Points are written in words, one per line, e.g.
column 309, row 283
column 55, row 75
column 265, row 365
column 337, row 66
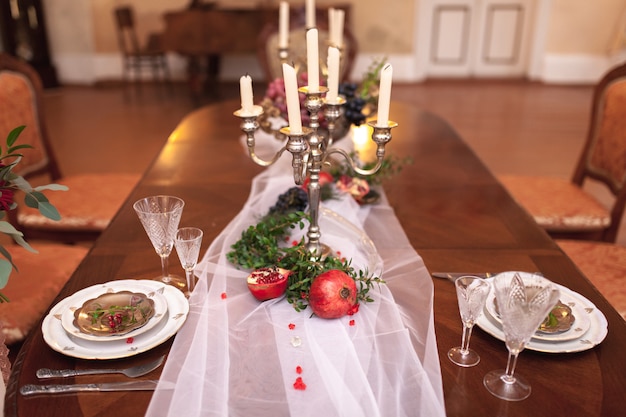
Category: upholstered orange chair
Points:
column 604, row 264
column 31, row 289
column 563, row 208
column 92, row 199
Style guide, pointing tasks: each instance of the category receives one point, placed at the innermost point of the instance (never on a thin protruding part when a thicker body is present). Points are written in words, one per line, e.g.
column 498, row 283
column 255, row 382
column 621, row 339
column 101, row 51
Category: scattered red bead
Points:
column 351, row 322
column 292, row 326
column 224, row 296
column 299, row 384
column 354, row 309
column 298, row 369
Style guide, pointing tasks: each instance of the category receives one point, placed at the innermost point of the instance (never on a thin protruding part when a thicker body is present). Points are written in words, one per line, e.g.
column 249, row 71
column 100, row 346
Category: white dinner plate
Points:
column 579, row 327
column 598, row 328
column 77, row 300
column 58, row 339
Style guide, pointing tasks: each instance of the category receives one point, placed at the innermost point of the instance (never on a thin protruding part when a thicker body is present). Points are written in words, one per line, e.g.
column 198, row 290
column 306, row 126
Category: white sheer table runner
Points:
column 236, row 356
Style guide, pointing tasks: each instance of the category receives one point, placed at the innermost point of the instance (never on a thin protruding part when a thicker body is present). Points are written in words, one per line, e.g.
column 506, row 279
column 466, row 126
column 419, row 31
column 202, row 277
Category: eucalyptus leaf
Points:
column 41, row 197
column 22, row 184
column 31, row 201
column 6, row 254
column 5, row 272
column 9, row 229
column 19, row 239
column 49, row 211
column 52, row 187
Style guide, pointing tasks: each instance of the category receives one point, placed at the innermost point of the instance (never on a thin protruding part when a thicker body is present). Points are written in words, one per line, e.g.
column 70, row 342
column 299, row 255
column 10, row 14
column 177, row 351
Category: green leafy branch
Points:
column 263, row 245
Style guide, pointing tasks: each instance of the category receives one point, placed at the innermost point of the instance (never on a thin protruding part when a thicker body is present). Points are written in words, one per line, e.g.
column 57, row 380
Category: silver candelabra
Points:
column 310, row 150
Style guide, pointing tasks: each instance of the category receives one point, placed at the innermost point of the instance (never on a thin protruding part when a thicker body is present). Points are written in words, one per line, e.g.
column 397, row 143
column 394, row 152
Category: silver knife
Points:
column 144, row 385
column 454, row 275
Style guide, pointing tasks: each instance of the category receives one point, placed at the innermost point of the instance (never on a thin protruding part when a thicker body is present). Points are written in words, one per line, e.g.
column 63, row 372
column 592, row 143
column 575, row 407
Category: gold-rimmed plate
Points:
column 114, row 314
column 78, row 317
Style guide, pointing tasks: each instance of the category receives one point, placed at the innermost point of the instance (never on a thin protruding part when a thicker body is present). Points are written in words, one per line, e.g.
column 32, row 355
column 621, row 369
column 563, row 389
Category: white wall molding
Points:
column 574, row 68
column 553, row 68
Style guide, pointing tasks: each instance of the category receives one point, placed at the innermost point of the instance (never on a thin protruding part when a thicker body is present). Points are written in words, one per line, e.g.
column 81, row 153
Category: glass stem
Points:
column 164, row 268
column 190, row 280
column 465, row 340
column 510, row 368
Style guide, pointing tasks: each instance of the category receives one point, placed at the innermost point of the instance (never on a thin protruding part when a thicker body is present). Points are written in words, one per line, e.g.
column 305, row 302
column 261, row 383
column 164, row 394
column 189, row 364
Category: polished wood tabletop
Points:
column 455, row 214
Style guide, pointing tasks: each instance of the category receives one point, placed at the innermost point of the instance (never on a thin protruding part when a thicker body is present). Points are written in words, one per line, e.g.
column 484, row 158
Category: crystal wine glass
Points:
column 187, row 243
column 523, row 301
column 160, row 216
column 471, row 293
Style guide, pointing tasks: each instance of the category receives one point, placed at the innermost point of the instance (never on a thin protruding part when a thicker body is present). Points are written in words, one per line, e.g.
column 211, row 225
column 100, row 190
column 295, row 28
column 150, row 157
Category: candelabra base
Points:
column 320, row 250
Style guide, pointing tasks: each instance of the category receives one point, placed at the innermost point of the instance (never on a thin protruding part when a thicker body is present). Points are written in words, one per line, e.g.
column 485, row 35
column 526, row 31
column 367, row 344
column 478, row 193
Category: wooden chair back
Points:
column 604, row 155
column 21, row 95
column 126, row 32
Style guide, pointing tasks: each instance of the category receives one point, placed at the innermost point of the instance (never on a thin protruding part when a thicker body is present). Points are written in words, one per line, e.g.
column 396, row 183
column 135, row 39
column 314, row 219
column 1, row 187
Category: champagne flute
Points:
column 471, row 293
column 187, row 243
column 160, row 216
column 524, row 300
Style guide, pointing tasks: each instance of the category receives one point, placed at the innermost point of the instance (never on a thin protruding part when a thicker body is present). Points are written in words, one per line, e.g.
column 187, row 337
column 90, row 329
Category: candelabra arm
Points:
column 257, row 159
column 249, row 125
column 381, row 136
column 352, row 164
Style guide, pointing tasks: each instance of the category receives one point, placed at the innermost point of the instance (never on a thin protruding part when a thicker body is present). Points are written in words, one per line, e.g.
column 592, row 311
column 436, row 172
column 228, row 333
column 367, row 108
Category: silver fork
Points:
column 131, row 372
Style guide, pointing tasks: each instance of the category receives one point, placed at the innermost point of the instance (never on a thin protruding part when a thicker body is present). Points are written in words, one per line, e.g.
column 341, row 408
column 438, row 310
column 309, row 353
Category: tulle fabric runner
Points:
column 238, row 357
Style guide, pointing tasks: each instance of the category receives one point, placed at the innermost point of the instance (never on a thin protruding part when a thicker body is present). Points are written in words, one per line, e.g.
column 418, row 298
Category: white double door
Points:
column 481, row 38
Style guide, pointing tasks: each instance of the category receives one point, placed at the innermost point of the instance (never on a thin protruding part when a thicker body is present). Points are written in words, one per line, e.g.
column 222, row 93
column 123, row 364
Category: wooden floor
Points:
column 515, row 127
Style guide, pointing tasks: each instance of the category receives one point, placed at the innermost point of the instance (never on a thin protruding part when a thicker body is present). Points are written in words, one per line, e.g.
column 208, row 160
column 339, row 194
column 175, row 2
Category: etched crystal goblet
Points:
column 471, row 294
column 523, row 300
column 160, row 216
column 187, row 243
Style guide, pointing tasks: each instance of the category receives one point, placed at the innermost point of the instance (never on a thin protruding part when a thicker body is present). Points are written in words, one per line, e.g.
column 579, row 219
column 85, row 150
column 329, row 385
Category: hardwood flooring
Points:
column 515, row 127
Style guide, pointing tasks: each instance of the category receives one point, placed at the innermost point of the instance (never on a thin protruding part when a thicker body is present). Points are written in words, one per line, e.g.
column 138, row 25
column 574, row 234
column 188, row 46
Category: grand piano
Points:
column 205, row 31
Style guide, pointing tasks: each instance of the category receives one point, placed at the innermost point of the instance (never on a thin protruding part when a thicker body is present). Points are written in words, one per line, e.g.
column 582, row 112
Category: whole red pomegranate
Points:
column 332, row 294
column 268, row 283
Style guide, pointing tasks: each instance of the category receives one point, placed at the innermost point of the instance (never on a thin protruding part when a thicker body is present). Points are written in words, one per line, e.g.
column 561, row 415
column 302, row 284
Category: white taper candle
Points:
column 340, row 16
column 313, row 60
column 309, row 10
column 245, row 89
column 283, row 25
column 333, row 75
column 384, row 96
column 293, row 99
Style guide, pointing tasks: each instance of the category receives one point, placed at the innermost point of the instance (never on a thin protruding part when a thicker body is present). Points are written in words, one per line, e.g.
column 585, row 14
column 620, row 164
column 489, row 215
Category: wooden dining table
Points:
column 457, row 216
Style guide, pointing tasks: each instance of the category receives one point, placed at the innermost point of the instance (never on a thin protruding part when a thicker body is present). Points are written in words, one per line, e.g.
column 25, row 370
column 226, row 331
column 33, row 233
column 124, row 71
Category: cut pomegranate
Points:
column 268, row 283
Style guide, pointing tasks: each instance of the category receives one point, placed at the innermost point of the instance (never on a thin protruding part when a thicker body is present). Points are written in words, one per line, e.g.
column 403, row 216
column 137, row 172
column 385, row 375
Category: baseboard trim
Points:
column 554, row 69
